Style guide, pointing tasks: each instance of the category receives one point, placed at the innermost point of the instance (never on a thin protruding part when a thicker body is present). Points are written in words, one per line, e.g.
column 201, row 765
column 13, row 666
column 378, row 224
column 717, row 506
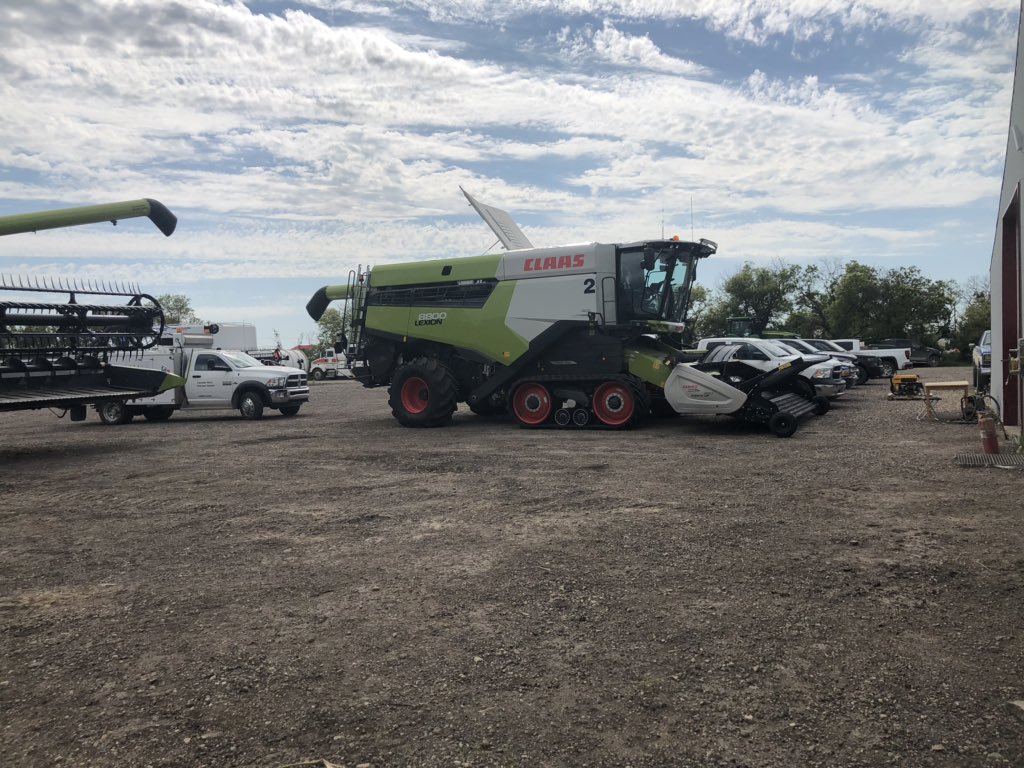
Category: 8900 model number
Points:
column 431, row 318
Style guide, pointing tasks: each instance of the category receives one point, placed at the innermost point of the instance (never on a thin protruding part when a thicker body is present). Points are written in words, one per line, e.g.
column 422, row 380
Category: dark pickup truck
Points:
column 920, row 354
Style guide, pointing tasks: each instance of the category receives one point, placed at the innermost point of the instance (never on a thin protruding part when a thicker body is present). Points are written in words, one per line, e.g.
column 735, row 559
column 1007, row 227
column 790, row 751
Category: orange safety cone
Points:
column 989, row 441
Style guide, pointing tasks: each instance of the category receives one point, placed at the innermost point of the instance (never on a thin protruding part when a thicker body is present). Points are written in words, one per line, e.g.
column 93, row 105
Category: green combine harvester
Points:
column 54, row 353
column 580, row 335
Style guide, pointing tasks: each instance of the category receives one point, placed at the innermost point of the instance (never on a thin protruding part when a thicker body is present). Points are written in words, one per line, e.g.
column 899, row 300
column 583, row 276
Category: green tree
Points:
column 915, row 306
column 178, row 309
column 764, row 294
column 699, row 302
column 329, row 326
column 858, row 301
column 849, row 301
column 974, row 320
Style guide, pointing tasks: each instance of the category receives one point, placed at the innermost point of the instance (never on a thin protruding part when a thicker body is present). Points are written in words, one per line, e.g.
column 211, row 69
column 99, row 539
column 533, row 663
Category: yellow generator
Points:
column 906, row 386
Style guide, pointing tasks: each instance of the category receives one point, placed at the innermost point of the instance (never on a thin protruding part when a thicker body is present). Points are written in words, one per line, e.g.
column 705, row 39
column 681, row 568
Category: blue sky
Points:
column 296, row 141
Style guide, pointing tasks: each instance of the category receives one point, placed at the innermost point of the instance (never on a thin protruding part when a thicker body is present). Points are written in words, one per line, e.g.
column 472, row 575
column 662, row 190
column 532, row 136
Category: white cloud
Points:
column 290, row 146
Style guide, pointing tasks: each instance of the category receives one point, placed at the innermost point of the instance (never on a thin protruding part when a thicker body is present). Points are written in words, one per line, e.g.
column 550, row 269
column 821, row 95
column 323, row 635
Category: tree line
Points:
column 840, row 300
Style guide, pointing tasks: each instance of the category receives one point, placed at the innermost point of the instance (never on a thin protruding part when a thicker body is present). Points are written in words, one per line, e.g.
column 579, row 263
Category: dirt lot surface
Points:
column 211, row 591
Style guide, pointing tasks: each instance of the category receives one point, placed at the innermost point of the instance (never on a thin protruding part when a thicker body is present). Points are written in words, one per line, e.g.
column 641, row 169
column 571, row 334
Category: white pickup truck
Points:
column 214, row 379
column 890, row 360
column 766, row 354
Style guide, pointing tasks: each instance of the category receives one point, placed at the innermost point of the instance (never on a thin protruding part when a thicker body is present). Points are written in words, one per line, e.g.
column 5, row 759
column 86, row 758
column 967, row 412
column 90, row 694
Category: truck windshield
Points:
column 775, row 351
column 658, row 291
column 826, row 345
column 241, row 360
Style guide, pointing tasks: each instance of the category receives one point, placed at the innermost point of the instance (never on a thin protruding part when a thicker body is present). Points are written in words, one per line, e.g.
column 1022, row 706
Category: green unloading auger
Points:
column 155, row 211
column 54, row 354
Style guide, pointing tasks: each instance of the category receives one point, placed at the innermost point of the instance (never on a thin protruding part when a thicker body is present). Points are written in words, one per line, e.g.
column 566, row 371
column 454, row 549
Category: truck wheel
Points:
column 888, row 369
column 782, row 424
column 614, row 403
column 933, row 360
column 318, row 375
column 862, row 375
column 158, row 413
column 250, row 405
column 289, row 410
column 423, row 393
column 531, row 404
column 114, row 412
column 821, row 405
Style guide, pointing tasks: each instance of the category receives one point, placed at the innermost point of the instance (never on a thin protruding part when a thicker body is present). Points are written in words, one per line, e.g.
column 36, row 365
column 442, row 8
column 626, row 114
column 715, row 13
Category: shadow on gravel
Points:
column 10, row 456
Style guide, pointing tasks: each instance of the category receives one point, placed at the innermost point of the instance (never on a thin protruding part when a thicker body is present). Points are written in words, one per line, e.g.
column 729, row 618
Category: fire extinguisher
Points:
column 989, row 441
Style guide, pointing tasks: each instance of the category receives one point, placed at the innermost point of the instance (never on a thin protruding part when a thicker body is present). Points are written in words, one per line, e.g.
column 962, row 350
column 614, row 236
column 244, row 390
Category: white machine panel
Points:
column 537, row 303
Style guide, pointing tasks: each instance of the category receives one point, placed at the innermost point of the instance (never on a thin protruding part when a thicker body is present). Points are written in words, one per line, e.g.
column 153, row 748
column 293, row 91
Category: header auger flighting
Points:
column 54, row 350
column 578, row 335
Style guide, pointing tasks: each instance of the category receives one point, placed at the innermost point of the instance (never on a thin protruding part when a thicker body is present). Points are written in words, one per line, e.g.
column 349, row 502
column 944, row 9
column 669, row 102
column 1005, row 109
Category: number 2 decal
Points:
column 588, row 285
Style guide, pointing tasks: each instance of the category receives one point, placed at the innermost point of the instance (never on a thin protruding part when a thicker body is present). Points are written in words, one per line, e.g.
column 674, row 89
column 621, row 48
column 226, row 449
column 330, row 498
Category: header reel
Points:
column 46, row 327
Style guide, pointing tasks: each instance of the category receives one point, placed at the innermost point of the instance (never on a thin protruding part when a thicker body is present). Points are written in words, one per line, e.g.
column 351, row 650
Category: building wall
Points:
column 1006, row 274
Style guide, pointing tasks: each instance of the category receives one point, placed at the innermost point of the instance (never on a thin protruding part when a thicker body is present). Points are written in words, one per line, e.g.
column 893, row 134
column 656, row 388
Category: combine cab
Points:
column 569, row 336
column 56, row 335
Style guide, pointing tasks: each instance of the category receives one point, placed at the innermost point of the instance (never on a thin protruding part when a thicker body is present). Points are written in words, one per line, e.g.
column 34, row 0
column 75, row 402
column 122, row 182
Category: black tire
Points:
column 888, row 368
column 803, row 387
column 643, row 403
column 862, row 375
column 782, row 424
column 318, row 375
column 250, row 405
column 423, row 393
column 821, row 405
column 289, row 410
column 933, row 360
column 114, row 412
column 157, row 413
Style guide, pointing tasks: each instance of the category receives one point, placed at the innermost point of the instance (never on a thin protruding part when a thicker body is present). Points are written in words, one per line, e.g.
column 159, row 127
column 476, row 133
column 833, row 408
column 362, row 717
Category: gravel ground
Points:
column 215, row 592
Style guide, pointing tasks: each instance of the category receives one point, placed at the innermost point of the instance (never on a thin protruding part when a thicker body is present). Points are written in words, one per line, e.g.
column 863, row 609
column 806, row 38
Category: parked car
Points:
column 766, row 355
column 868, row 367
column 920, row 354
column 981, row 356
column 890, row 359
column 848, row 370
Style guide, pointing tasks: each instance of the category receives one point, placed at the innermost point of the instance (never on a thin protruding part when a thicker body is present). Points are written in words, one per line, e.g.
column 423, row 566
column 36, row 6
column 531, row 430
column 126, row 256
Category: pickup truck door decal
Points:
column 208, row 383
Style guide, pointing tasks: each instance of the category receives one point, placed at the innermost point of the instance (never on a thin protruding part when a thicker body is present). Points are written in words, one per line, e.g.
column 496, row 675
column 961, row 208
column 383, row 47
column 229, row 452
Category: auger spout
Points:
column 317, row 305
column 155, row 211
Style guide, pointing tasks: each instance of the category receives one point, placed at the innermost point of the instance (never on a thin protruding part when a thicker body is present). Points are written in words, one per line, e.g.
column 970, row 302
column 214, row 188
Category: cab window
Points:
column 210, row 363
